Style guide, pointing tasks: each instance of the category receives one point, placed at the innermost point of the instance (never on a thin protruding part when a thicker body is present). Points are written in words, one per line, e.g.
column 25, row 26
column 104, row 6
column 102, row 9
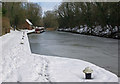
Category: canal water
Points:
column 100, row 51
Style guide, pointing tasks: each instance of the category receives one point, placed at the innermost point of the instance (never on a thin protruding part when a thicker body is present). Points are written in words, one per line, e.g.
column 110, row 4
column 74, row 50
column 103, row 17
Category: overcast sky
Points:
column 47, row 4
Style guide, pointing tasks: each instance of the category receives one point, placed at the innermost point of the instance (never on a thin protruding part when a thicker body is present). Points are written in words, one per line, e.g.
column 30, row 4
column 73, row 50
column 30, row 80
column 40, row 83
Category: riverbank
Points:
column 20, row 65
column 97, row 32
column 100, row 51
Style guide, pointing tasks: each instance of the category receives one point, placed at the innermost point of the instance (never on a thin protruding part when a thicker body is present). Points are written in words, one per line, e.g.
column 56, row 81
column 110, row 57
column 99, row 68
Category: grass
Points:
column 5, row 25
column 0, row 19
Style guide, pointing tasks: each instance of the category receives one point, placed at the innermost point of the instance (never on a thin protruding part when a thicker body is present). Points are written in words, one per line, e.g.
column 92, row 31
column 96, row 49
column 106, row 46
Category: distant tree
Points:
column 0, row 19
column 34, row 13
column 17, row 12
column 90, row 14
column 50, row 19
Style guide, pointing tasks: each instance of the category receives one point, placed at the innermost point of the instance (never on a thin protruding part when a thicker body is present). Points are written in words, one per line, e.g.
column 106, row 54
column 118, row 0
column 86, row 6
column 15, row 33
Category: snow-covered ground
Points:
column 20, row 65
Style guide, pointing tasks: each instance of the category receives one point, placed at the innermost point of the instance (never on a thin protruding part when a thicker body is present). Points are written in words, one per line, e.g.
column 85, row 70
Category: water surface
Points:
column 100, row 51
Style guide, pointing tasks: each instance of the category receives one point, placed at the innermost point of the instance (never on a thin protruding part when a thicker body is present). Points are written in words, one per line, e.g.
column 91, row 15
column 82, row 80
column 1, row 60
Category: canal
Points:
column 100, row 51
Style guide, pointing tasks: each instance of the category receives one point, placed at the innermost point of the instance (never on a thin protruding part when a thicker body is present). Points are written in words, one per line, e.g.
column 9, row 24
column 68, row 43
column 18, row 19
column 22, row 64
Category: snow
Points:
column 29, row 22
column 72, row 69
column 19, row 64
column 97, row 31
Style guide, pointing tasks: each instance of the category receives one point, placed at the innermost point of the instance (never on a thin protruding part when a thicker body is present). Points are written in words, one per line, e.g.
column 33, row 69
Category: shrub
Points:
column 5, row 25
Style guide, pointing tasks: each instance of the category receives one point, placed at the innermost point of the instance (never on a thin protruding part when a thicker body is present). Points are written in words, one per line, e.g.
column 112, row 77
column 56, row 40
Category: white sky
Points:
column 45, row 0
column 47, row 4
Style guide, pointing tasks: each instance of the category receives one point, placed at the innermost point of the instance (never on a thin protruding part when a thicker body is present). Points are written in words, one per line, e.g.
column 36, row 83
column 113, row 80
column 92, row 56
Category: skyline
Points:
column 45, row 0
column 48, row 6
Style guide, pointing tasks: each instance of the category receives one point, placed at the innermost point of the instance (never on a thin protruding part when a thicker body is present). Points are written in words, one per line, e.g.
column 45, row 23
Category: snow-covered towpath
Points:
column 20, row 65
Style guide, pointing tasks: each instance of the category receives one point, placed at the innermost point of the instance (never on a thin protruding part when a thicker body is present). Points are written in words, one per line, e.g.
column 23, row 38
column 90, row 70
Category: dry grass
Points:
column 5, row 25
column 0, row 24
column 50, row 29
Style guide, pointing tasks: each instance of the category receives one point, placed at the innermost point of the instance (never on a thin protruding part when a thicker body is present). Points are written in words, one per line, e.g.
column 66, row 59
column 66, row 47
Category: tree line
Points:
column 0, row 19
column 18, row 12
column 93, row 17
column 50, row 19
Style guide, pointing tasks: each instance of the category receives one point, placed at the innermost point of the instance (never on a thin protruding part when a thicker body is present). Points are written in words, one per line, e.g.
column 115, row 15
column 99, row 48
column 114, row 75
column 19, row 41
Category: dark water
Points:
column 100, row 51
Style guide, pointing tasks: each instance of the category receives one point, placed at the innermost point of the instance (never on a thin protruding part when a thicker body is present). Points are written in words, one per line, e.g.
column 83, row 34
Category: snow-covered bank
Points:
column 96, row 31
column 19, row 64
column 72, row 69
